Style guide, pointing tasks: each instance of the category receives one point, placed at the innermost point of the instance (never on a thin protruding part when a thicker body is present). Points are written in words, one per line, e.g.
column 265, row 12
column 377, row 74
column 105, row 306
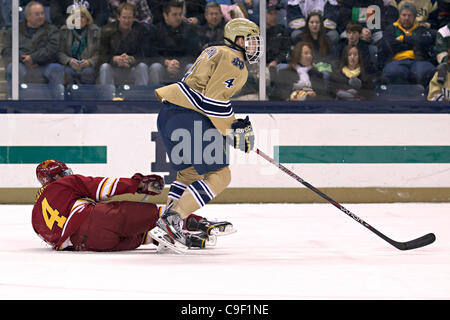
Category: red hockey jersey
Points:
column 62, row 205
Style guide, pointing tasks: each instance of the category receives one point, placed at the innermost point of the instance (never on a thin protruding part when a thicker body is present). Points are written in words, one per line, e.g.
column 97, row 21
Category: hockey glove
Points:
column 151, row 184
column 242, row 136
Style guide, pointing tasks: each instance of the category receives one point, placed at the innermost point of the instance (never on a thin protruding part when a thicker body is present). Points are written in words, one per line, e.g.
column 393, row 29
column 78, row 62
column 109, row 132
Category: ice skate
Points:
column 220, row 228
column 166, row 242
column 171, row 222
column 168, row 231
column 200, row 240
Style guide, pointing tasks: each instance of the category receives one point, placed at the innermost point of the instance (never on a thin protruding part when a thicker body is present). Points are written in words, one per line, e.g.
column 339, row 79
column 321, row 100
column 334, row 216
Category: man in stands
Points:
column 123, row 49
column 407, row 45
column 176, row 45
column 211, row 32
column 39, row 45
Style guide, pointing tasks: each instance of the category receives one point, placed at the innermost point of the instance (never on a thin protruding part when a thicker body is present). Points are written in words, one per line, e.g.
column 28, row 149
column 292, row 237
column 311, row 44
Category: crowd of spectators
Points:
column 315, row 49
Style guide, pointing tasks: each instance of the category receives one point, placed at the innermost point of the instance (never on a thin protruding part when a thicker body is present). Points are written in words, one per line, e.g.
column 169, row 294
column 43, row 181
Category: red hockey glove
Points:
column 151, row 184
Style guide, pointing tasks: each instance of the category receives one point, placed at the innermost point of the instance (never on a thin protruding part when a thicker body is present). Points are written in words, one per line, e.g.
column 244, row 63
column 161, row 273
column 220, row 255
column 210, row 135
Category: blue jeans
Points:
column 158, row 74
column 409, row 71
column 5, row 13
column 84, row 76
column 137, row 75
column 51, row 73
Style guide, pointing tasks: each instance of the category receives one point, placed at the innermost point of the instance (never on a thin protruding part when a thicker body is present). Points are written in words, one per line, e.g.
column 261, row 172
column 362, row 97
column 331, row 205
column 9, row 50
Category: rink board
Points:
column 359, row 157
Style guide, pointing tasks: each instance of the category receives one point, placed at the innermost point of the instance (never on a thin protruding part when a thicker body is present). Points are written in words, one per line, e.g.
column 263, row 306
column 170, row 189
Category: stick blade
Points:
column 416, row 243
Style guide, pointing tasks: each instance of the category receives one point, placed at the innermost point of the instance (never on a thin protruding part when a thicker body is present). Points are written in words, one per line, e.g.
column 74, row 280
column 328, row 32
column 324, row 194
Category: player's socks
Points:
column 176, row 190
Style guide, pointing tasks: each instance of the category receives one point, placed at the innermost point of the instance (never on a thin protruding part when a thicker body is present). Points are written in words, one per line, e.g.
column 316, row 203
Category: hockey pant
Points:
column 116, row 226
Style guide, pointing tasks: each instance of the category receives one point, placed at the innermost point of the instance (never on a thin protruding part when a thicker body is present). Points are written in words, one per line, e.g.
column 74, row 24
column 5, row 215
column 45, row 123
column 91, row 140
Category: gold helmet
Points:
column 253, row 45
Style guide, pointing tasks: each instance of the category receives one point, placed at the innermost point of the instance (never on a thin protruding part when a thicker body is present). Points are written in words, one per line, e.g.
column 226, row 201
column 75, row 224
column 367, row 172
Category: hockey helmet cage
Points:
column 47, row 171
column 253, row 44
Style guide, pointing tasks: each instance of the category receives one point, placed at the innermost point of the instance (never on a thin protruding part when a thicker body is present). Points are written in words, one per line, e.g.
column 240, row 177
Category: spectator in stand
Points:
column 5, row 14
column 443, row 13
column 277, row 51
column 211, row 32
column 123, row 45
column 427, row 11
column 193, row 12
column 441, row 48
column 280, row 43
column 39, row 45
column 143, row 13
column 299, row 10
column 300, row 80
column 156, row 7
column 407, row 44
column 251, row 8
column 176, row 45
column 79, row 47
column 442, row 44
column 6, row 11
column 45, row 4
column 353, row 32
column 324, row 56
column 350, row 81
column 277, row 36
column 61, row 9
column 439, row 90
column 358, row 10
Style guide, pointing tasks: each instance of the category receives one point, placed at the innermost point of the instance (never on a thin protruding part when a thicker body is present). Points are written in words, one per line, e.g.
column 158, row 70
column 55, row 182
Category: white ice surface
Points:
column 281, row 251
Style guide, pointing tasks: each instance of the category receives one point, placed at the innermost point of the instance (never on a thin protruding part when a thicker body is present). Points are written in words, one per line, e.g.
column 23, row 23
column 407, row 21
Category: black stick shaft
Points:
column 416, row 243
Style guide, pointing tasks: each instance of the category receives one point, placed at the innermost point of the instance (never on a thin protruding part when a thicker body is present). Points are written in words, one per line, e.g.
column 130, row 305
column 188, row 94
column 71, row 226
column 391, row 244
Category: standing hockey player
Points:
column 198, row 107
column 69, row 212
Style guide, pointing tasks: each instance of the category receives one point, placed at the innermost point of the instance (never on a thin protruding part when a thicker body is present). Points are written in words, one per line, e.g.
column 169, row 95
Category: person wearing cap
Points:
column 407, row 46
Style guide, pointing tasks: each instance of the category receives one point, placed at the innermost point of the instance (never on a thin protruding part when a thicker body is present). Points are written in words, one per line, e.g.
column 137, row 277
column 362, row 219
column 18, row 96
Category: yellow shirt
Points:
column 217, row 74
column 407, row 54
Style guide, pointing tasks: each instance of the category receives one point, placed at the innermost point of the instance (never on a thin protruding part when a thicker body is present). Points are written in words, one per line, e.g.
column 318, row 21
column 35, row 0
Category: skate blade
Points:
column 222, row 231
column 162, row 237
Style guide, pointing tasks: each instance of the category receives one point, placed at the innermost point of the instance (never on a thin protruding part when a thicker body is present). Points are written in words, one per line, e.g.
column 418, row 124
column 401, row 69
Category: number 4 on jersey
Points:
column 230, row 82
column 51, row 215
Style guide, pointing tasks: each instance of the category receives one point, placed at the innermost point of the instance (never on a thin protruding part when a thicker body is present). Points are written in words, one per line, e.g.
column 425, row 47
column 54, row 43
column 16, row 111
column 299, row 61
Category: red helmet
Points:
column 47, row 171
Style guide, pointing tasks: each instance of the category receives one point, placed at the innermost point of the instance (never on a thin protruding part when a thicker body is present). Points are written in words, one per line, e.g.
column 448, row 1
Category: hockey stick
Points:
column 408, row 245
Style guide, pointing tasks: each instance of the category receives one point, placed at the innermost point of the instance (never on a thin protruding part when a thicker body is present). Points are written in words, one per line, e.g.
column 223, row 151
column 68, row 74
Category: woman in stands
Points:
column 350, row 81
column 315, row 33
column 300, row 80
column 79, row 47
